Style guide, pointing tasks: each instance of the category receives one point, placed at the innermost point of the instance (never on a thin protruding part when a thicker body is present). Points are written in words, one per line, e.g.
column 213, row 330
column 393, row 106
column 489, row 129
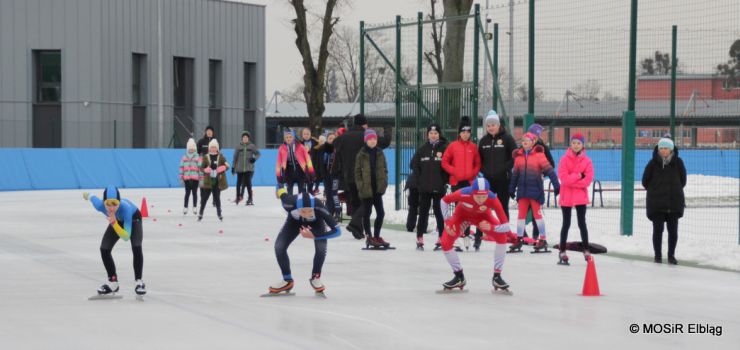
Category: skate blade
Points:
column 513, row 252
column 278, row 294
column 564, row 263
column 105, row 297
column 320, row 295
column 540, row 251
column 451, row 291
column 502, row 291
column 378, row 248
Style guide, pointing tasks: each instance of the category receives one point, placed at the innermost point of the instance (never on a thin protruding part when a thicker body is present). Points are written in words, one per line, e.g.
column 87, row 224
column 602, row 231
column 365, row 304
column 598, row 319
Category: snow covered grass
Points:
column 708, row 232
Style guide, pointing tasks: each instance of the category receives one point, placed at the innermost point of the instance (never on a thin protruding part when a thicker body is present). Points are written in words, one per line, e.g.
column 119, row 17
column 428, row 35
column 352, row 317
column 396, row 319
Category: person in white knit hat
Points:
column 190, row 174
column 214, row 167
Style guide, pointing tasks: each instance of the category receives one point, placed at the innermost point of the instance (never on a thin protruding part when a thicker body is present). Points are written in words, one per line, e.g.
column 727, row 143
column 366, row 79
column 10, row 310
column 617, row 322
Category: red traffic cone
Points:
column 591, row 283
column 143, row 209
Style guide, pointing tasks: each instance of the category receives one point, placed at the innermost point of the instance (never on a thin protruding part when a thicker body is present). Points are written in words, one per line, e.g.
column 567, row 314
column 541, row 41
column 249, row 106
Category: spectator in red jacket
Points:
column 461, row 158
column 462, row 161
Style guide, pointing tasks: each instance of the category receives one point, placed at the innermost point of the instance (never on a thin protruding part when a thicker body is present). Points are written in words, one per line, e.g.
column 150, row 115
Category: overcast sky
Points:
column 577, row 39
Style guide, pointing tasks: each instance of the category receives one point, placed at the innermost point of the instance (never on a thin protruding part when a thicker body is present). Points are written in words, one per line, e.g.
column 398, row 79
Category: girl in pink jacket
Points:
column 575, row 172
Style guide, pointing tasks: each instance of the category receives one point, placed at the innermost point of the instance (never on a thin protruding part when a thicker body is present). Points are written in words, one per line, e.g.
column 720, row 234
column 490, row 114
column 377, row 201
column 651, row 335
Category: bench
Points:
column 597, row 188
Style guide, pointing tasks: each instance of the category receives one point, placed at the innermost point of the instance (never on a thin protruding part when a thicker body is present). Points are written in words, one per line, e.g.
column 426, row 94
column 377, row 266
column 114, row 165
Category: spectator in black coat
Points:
column 496, row 150
column 431, row 182
column 664, row 179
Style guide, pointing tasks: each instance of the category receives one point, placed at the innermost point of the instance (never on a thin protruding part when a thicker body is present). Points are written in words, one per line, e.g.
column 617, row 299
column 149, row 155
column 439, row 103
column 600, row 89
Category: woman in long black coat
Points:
column 664, row 179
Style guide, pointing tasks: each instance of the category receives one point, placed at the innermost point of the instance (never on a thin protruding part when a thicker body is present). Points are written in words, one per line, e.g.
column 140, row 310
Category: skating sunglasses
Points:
column 111, row 202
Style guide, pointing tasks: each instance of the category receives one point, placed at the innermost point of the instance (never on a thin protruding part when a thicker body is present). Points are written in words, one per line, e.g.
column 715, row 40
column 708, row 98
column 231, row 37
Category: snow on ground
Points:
column 204, row 280
column 708, row 232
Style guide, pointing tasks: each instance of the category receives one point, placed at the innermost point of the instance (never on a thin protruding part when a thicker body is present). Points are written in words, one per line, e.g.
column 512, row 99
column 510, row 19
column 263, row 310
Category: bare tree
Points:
column 731, row 69
column 314, row 78
column 454, row 39
column 434, row 56
column 522, row 93
column 659, row 64
column 293, row 94
column 588, row 90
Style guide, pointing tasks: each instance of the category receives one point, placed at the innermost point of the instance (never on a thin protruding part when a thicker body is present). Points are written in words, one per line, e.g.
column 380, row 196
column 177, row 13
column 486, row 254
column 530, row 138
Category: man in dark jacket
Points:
column 431, row 182
column 537, row 129
column 203, row 142
column 496, row 149
column 664, row 179
column 346, row 147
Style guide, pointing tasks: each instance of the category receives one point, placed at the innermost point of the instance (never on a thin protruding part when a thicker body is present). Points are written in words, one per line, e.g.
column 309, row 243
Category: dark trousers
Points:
column 287, row 235
column 191, row 186
column 331, row 187
column 413, row 200
column 501, row 189
column 354, row 205
column 581, row 215
column 296, row 179
column 427, row 200
column 671, row 222
column 244, row 180
column 460, row 185
column 216, row 199
column 110, row 238
column 367, row 206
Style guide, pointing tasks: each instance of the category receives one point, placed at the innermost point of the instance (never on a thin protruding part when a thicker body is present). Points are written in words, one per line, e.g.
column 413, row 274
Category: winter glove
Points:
column 583, row 175
column 86, row 195
column 557, row 191
column 252, row 160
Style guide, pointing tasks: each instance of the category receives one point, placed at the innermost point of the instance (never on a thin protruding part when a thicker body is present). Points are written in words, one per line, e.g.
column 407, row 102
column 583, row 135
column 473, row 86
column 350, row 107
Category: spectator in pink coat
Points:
column 575, row 172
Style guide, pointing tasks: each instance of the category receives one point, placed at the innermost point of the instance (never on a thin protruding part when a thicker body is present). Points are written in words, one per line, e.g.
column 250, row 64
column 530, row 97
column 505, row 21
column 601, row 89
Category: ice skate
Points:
column 185, row 211
column 457, row 282
column 517, row 246
column 281, row 288
column 107, row 291
column 563, row 258
column 499, row 285
column 317, row 285
column 540, row 247
column 140, row 287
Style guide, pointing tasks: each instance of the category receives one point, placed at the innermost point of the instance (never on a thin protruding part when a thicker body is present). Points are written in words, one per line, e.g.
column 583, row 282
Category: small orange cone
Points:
column 591, row 283
column 144, row 210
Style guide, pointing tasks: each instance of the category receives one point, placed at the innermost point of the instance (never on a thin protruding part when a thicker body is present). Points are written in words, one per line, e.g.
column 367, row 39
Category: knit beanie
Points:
column 535, row 129
column 433, row 127
column 370, row 134
column 191, row 145
column 492, row 118
column 666, row 143
column 530, row 136
column 213, row 143
column 464, row 124
column 578, row 136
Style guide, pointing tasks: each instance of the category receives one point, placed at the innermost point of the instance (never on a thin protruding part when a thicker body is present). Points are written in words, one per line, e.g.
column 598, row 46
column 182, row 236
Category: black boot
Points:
column 456, row 282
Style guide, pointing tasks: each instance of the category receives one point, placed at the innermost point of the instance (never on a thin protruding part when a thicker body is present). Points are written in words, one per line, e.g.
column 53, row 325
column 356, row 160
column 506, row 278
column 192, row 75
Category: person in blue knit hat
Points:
column 664, row 179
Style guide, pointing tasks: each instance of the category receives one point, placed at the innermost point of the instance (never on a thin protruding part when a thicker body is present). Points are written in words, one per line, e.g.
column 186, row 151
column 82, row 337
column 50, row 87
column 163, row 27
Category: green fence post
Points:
column 674, row 62
column 115, row 134
column 398, row 113
column 474, row 92
column 494, row 91
column 419, row 63
column 362, row 67
column 628, row 137
column 529, row 117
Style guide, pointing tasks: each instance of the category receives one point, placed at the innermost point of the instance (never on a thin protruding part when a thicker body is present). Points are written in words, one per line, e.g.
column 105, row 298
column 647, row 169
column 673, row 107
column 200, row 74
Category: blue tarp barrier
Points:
column 70, row 168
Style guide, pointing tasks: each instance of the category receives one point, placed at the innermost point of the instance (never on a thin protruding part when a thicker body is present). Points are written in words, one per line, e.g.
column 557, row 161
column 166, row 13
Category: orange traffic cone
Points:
column 591, row 283
column 144, row 210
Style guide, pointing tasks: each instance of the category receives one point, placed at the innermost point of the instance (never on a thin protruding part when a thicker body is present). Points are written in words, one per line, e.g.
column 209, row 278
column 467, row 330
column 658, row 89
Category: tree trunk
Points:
column 454, row 54
column 314, row 77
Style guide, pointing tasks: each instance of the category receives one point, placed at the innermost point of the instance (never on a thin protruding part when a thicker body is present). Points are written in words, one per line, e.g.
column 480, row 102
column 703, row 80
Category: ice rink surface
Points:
column 204, row 281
